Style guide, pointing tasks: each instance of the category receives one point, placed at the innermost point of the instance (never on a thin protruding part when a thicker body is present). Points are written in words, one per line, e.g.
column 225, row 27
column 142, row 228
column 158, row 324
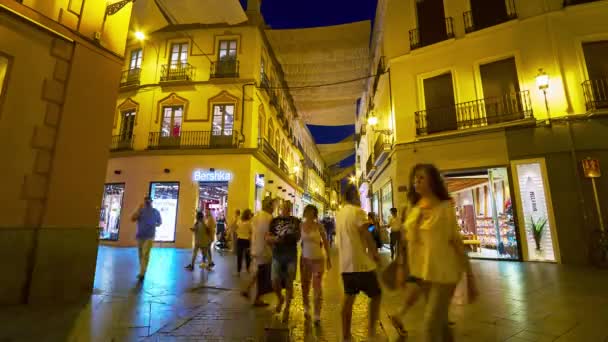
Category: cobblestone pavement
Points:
column 518, row 302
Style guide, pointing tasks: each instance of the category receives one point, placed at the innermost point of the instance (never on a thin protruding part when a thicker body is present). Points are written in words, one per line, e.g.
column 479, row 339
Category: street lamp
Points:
column 140, row 36
column 296, row 169
column 373, row 121
column 352, row 179
column 542, row 82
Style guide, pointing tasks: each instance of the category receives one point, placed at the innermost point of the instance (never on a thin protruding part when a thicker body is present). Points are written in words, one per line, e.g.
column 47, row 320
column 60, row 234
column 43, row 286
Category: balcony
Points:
column 370, row 167
column 265, row 82
column 177, row 72
column 192, row 140
column 472, row 114
column 471, row 25
column 283, row 166
column 225, row 69
column 596, row 94
column 301, row 183
column 382, row 148
column 121, row 143
column 268, row 150
column 418, row 39
column 130, row 78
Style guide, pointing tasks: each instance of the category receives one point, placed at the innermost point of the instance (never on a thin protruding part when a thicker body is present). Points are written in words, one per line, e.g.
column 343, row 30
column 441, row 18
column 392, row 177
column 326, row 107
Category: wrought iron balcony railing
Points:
column 470, row 24
column 382, row 147
column 265, row 82
column 596, row 94
column 283, row 166
column 228, row 68
column 370, row 167
column 419, row 39
column 192, row 140
column 130, row 77
column 177, row 72
column 268, row 150
column 478, row 113
column 121, row 143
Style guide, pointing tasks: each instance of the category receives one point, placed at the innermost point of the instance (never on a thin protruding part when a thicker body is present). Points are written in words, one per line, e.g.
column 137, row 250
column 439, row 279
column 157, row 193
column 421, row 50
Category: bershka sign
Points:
column 211, row 176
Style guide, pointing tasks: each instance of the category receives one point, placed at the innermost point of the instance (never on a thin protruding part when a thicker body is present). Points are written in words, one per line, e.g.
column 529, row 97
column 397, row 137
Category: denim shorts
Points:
column 284, row 270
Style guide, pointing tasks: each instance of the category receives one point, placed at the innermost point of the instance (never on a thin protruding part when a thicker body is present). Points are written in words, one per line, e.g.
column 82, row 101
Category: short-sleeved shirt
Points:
column 352, row 249
column 261, row 224
column 243, row 230
column 395, row 224
column 287, row 229
column 202, row 234
column 431, row 256
column 148, row 220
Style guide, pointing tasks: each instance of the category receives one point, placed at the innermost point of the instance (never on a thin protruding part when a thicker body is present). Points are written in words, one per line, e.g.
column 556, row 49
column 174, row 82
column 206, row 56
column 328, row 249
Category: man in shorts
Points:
column 358, row 259
column 283, row 235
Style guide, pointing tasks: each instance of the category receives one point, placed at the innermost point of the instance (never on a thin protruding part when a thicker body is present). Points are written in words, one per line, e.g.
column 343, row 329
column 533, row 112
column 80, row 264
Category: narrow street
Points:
column 519, row 302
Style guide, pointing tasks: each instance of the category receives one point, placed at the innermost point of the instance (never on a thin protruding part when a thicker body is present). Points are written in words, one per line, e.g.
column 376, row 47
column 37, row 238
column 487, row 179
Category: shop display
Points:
column 484, row 212
column 165, row 199
column 535, row 212
column 111, row 207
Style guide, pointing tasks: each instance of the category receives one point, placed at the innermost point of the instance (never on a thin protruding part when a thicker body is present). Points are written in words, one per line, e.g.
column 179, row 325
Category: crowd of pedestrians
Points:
column 427, row 253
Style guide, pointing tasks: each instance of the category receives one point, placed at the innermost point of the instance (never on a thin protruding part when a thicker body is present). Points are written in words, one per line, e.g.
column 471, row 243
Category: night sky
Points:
column 286, row 14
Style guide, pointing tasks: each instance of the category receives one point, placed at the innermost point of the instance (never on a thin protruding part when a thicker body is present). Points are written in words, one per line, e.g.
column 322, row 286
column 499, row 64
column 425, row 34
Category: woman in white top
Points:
column 312, row 263
column 436, row 256
column 243, row 240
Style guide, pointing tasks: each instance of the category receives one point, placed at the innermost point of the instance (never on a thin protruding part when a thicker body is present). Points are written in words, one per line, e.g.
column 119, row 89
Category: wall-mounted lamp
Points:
column 140, row 36
column 542, row 82
column 167, row 170
column 372, row 121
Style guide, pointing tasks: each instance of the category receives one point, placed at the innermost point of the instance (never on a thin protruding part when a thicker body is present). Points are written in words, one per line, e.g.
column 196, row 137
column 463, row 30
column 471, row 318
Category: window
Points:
column 596, row 86
column 262, row 69
column 111, row 207
column 227, row 50
column 439, row 101
column 172, row 121
column 127, row 124
column 223, row 119
column 277, row 143
column 179, row 54
column 4, row 69
column 165, row 197
column 270, row 131
column 136, row 57
column 261, row 125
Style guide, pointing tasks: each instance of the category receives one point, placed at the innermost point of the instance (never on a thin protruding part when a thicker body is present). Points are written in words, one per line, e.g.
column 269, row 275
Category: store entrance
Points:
column 214, row 196
column 484, row 211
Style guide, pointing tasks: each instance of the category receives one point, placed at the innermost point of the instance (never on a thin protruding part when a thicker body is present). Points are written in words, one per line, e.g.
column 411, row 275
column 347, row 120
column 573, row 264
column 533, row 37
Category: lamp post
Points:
column 373, row 121
column 542, row 82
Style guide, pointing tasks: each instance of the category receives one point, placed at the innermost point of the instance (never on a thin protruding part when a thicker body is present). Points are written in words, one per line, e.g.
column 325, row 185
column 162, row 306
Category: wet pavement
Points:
column 518, row 302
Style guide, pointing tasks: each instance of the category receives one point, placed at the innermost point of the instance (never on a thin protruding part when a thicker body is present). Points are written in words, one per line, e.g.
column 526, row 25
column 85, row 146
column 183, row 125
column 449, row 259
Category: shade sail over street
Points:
column 326, row 69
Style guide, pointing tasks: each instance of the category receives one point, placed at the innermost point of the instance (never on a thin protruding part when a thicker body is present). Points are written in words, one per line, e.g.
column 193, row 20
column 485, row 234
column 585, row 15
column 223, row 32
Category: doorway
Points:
column 214, row 196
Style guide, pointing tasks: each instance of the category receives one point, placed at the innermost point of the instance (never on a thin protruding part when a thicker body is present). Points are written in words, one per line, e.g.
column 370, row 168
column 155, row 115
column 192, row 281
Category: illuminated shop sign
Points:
column 259, row 180
column 211, row 176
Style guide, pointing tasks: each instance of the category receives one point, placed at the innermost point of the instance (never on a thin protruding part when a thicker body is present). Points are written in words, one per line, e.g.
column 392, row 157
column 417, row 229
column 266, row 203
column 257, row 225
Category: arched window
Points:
column 261, row 123
column 277, row 141
column 270, row 131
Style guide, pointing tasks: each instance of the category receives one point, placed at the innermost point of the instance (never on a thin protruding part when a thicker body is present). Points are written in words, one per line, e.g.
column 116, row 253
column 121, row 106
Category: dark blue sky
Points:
column 286, row 14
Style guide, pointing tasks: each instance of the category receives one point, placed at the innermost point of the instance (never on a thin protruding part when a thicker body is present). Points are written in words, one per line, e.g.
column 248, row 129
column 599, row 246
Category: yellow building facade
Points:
column 54, row 144
column 506, row 98
column 204, row 120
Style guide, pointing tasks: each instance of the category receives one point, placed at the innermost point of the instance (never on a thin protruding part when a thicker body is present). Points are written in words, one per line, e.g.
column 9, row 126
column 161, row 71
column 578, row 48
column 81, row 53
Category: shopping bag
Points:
column 264, row 283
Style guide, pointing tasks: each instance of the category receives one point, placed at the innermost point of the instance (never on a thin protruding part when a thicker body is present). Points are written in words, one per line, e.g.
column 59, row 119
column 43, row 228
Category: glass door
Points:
column 171, row 126
column 223, row 125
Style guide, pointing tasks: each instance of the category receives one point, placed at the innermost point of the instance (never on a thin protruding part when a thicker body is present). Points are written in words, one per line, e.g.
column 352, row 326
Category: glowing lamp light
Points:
column 372, row 120
column 296, row 169
column 352, row 179
column 542, row 80
column 140, row 35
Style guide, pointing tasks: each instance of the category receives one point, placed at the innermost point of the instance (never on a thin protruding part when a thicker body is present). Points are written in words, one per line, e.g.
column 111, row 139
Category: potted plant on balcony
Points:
column 538, row 227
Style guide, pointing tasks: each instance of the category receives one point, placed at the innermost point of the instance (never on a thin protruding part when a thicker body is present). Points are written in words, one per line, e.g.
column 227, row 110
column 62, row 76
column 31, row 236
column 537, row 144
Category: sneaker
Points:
column 212, row 264
column 189, row 267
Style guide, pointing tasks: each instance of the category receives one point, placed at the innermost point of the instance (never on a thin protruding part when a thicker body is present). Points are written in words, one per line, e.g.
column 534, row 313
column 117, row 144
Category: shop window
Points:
column 165, row 196
column 535, row 212
column 111, row 207
column 484, row 210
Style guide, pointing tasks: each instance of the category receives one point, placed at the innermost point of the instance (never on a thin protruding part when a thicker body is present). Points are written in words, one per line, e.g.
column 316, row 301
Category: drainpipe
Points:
column 242, row 141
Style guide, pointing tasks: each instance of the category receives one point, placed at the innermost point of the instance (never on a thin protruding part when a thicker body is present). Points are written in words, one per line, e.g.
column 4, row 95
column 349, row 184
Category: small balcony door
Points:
column 126, row 126
column 134, row 67
column 179, row 54
column 488, row 13
column 171, row 126
column 431, row 21
column 223, row 125
column 226, row 57
column 501, row 91
column 439, row 101
column 596, row 86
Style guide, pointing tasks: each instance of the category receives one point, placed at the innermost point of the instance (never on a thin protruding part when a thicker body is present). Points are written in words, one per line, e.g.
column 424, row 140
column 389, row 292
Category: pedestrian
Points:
column 330, row 228
column 147, row 218
column 261, row 253
column 436, row 255
column 202, row 238
column 232, row 229
column 211, row 225
column 394, row 224
column 243, row 240
column 313, row 261
column 283, row 235
column 374, row 229
column 358, row 261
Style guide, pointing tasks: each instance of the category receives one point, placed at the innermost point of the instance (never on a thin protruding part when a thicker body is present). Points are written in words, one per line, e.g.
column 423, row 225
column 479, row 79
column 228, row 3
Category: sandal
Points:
column 398, row 326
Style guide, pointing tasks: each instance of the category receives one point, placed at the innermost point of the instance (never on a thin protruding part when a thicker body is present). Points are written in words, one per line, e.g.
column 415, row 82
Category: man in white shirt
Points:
column 358, row 259
column 260, row 250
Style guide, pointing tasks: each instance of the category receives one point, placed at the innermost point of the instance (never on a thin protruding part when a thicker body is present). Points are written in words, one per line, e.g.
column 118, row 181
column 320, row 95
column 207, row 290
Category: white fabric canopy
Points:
column 334, row 153
column 324, row 55
column 151, row 15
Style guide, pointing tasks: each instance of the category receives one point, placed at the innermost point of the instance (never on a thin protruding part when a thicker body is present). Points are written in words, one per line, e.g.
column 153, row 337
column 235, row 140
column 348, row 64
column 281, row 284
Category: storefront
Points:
column 484, row 211
column 165, row 198
column 111, row 208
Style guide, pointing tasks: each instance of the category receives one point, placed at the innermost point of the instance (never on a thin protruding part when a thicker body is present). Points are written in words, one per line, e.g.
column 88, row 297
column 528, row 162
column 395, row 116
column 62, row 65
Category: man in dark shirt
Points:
column 283, row 235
